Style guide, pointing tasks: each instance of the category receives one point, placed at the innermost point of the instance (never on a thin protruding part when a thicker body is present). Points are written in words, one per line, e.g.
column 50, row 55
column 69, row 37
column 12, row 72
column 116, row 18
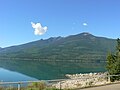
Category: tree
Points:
column 113, row 63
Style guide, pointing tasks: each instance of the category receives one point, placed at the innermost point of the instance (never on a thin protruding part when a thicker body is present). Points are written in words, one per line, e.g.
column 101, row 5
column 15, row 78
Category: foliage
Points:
column 51, row 88
column 82, row 46
column 37, row 86
column 113, row 63
column 32, row 86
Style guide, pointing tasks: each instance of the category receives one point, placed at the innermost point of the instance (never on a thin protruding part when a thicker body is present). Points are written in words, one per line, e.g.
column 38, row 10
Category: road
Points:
column 107, row 87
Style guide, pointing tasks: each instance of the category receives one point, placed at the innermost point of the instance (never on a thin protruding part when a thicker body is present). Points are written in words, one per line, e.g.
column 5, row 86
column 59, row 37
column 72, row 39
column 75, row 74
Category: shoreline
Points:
column 84, row 81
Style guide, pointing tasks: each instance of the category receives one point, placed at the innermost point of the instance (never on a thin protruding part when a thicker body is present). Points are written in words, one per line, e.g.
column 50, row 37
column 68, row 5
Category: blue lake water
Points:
column 21, row 70
column 11, row 76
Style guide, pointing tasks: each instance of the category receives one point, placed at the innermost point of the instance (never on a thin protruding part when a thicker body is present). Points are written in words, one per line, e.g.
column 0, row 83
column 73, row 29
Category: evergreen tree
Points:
column 113, row 63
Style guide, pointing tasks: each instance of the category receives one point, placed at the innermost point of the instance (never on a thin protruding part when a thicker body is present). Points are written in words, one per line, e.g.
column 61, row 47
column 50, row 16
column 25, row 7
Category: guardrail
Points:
column 19, row 83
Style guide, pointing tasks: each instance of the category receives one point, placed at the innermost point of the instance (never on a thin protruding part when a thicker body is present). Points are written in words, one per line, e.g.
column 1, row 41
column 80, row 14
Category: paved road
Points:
column 107, row 87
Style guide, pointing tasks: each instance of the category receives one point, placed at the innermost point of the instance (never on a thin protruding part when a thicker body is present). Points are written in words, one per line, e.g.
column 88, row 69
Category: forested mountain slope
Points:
column 83, row 46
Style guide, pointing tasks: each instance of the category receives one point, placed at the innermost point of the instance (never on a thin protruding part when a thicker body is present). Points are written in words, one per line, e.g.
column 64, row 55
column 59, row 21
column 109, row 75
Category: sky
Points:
column 23, row 21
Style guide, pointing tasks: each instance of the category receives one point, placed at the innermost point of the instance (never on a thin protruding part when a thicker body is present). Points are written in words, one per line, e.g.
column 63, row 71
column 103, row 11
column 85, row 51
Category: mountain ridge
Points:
column 81, row 46
column 59, row 37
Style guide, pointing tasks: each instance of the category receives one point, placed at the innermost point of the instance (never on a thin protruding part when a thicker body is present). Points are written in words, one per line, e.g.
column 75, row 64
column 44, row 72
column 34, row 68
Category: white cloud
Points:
column 85, row 24
column 39, row 30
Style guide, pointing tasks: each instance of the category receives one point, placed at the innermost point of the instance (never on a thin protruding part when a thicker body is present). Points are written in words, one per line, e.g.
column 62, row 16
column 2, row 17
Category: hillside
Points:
column 83, row 46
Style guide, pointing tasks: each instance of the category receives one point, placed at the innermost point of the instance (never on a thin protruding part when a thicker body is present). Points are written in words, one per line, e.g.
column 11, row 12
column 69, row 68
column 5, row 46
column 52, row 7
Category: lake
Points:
column 11, row 76
column 23, row 70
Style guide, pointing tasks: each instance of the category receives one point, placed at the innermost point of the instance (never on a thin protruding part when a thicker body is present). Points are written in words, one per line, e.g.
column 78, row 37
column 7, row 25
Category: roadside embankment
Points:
column 83, row 80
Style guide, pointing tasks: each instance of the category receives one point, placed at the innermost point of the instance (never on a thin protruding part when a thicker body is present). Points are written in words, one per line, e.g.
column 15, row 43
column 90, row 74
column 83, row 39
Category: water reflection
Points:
column 10, row 76
column 44, row 70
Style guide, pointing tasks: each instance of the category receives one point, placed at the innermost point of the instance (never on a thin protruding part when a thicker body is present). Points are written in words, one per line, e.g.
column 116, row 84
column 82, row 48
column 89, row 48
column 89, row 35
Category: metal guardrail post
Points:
column 108, row 78
column 60, row 85
column 19, row 86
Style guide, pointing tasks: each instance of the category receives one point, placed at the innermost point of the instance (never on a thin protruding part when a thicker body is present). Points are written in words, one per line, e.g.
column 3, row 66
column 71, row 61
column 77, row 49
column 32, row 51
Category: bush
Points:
column 37, row 86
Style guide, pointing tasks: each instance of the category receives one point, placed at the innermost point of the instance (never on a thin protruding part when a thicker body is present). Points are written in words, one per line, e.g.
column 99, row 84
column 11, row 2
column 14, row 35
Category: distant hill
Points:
column 83, row 46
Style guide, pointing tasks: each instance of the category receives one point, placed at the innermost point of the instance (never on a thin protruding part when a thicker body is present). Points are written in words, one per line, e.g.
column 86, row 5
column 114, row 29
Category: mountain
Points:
column 83, row 47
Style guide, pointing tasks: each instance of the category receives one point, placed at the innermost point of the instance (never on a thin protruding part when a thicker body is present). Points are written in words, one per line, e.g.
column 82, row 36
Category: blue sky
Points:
column 62, row 18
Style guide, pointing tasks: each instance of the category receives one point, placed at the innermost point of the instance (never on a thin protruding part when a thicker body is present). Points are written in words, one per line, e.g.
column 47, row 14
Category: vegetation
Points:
column 84, row 46
column 36, row 86
column 32, row 86
column 113, row 63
